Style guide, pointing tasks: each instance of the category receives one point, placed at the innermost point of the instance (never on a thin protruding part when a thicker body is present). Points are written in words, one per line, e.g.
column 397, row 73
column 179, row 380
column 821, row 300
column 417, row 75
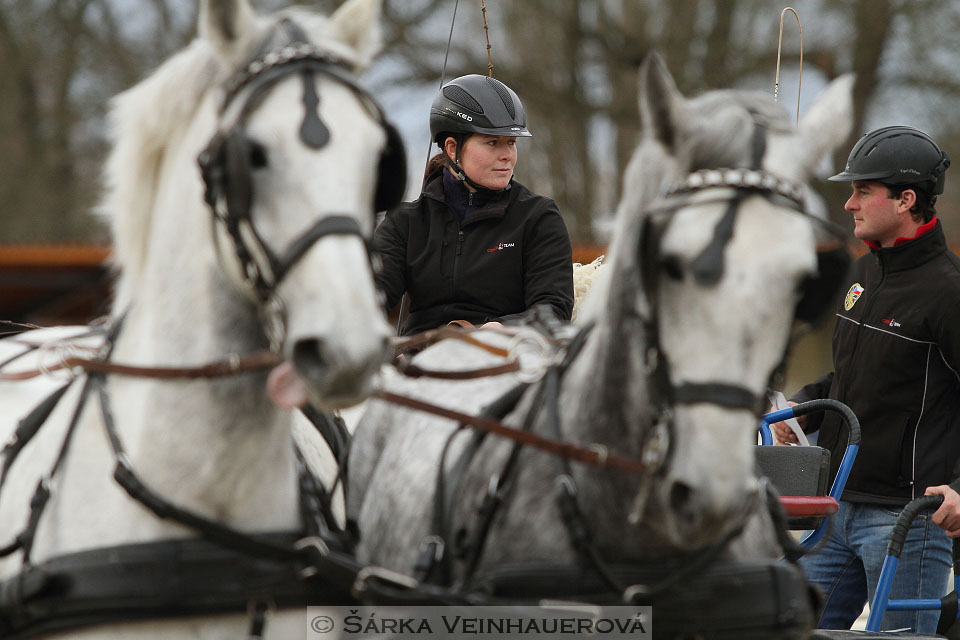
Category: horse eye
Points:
column 672, row 267
column 258, row 155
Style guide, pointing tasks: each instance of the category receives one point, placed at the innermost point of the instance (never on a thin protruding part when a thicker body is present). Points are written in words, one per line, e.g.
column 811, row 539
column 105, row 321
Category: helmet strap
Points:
column 461, row 175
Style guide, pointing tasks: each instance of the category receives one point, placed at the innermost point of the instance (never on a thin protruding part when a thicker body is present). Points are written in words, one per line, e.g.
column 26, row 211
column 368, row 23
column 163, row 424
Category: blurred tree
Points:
column 573, row 62
column 64, row 59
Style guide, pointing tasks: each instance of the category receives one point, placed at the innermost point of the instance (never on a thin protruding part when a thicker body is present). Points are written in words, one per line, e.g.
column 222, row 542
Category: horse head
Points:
column 719, row 246
column 295, row 159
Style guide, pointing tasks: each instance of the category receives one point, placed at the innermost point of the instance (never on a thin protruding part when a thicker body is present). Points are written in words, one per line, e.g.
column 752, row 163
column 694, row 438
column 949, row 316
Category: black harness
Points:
column 225, row 570
column 817, row 291
column 434, row 567
column 229, row 159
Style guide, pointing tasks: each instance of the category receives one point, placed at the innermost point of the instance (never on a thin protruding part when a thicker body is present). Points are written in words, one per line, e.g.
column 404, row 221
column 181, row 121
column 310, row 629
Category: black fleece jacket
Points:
column 509, row 254
column 896, row 357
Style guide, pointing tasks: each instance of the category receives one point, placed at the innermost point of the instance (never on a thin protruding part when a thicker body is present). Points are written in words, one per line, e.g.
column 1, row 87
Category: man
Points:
column 896, row 357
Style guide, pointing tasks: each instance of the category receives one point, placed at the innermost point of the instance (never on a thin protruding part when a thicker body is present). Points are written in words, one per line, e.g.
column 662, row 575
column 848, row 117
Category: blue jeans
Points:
column 848, row 566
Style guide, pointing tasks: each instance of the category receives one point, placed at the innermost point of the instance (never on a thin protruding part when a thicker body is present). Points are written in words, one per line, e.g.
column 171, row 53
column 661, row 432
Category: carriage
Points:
column 150, row 488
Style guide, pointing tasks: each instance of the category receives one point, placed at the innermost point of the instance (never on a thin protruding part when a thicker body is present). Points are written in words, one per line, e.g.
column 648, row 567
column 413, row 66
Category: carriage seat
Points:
column 796, row 471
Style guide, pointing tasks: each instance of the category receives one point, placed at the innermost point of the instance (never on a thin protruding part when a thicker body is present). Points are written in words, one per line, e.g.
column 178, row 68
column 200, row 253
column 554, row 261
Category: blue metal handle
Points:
column 881, row 599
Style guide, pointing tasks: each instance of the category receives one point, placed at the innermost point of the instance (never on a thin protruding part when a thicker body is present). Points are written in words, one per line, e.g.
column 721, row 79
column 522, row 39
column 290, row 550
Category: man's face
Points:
column 877, row 216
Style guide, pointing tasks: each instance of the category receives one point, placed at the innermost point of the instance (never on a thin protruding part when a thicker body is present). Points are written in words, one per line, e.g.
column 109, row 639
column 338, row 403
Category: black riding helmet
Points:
column 895, row 156
column 476, row 104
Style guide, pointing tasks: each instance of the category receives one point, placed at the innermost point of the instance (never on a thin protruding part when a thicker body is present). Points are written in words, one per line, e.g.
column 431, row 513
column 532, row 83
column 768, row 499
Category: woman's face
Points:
column 487, row 160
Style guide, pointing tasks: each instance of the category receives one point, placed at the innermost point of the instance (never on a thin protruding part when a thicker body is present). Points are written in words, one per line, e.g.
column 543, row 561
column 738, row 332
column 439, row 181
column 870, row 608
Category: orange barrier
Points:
column 66, row 255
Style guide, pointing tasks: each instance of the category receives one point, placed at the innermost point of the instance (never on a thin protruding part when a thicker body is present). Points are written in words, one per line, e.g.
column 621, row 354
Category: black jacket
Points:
column 507, row 256
column 896, row 357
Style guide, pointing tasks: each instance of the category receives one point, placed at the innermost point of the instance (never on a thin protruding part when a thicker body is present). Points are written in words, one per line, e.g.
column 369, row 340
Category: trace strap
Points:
column 233, row 365
column 595, row 455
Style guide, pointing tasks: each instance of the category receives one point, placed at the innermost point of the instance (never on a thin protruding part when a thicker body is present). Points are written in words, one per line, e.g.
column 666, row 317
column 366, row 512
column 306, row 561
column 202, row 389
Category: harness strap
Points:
column 717, row 393
column 708, row 266
column 30, row 348
column 332, row 429
column 571, row 514
column 164, row 579
column 234, row 365
column 38, row 502
column 28, row 427
column 547, row 399
column 595, row 456
column 330, row 225
column 455, row 332
column 434, row 563
column 211, row 530
column 407, row 368
column 258, row 619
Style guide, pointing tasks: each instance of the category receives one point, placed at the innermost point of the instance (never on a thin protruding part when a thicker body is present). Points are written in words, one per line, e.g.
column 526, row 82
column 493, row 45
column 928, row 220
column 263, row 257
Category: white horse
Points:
column 294, row 155
column 689, row 321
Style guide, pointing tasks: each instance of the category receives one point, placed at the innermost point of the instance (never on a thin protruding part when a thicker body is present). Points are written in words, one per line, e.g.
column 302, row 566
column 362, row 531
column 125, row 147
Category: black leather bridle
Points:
column 228, row 160
column 708, row 269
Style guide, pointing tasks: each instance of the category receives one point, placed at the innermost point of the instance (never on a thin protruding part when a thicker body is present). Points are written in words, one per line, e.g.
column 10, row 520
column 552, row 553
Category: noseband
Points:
column 228, row 161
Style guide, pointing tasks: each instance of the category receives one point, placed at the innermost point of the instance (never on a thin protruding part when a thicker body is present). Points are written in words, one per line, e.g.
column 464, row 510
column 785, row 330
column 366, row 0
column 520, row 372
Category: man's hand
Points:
column 782, row 433
column 947, row 517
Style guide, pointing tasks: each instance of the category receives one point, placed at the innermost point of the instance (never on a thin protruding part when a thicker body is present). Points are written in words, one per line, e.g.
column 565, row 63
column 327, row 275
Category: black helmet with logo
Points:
column 897, row 156
column 477, row 104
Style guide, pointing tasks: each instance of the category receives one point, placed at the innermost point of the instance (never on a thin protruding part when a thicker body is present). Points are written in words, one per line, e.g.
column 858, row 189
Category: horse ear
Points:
column 357, row 24
column 660, row 102
column 227, row 24
column 828, row 121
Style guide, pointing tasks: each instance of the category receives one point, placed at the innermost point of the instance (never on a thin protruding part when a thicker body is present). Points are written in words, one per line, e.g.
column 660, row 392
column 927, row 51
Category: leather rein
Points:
column 594, row 455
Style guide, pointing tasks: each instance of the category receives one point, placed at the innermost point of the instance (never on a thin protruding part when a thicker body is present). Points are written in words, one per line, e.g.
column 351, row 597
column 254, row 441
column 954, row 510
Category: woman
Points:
column 477, row 245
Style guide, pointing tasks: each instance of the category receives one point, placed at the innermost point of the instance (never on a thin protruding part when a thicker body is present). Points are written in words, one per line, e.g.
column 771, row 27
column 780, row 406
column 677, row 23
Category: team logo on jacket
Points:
column 501, row 246
column 853, row 294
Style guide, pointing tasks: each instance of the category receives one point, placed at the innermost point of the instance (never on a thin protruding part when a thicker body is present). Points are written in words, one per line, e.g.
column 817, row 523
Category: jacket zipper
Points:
column 456, row 255
column 459, row 251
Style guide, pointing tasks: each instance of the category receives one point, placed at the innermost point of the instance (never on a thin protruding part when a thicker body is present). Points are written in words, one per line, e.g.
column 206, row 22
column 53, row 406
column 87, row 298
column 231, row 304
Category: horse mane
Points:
column 719, row 133
column 144, row 119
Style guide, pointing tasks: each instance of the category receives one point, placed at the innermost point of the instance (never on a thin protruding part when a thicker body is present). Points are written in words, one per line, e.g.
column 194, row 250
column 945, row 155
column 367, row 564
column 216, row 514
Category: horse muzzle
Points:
column 710, row 489
column 336, row 376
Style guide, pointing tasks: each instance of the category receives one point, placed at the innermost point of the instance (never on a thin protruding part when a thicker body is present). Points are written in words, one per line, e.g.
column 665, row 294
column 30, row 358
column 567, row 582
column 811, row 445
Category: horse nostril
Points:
column 680, row 497
column 308, row 358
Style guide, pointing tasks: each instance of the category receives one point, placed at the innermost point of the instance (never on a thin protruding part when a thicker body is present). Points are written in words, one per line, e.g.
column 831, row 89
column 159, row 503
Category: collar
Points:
column 921, row 230
column 488, row 203
column 928, row 243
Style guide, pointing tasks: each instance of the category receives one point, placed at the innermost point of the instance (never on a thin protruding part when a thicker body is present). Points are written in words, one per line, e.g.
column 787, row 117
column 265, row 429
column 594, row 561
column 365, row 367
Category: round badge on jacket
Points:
column 853, row 294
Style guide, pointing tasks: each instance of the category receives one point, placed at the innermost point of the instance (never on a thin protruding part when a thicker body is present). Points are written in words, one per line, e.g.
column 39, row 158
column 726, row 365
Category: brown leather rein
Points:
column 594, row 455
column 232, row 366
column 259, row 360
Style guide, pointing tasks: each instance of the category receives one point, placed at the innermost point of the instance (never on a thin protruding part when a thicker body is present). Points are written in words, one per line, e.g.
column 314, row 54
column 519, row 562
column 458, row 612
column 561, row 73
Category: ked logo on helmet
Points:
column 853, row 294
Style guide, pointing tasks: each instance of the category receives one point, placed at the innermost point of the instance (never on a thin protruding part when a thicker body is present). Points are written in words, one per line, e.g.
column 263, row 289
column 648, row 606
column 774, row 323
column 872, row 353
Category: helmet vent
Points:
column 455, row 94
column 505, row 96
